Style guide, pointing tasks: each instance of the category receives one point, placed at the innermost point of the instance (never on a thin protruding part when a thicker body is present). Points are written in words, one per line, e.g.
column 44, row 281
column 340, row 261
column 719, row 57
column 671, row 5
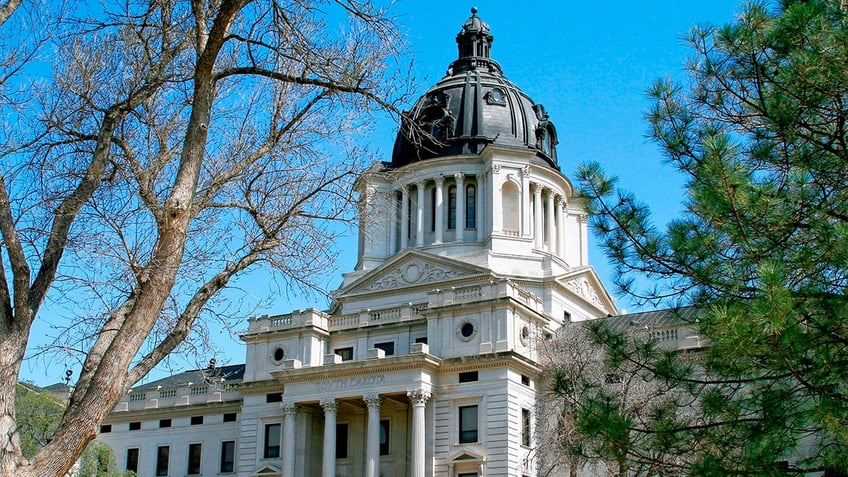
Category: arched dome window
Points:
column 452, row 207
column 470, row 206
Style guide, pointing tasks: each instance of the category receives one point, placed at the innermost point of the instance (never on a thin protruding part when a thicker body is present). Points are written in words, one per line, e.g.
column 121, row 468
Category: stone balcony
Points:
column 185, row 395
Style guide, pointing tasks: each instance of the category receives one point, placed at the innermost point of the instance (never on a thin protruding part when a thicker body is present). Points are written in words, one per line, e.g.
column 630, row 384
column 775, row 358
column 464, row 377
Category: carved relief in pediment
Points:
column 413, row 272
column 583, row 288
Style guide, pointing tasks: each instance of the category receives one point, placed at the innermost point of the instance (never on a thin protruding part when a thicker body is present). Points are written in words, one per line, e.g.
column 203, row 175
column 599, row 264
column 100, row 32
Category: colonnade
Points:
column 439, row 207
column 418, row 399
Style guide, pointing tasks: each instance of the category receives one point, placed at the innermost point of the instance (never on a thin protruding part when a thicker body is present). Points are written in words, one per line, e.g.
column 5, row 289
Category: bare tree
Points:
column 182, row 144
column 601, row 402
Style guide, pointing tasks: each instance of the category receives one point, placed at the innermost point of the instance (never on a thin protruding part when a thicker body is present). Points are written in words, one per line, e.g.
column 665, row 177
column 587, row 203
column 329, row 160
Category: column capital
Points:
column 583, row 218
column 459, row 177
column 330, row 405
column 419, row 396
column 537, row 189
column 525, row 171
column 289, row 408
column 420, row 183
column 560, row 201
column 373, row 400
column 439, row 180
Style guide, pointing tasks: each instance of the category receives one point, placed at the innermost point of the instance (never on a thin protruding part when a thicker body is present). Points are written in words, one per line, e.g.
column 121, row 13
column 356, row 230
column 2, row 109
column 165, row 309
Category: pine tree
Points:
column 758, row 129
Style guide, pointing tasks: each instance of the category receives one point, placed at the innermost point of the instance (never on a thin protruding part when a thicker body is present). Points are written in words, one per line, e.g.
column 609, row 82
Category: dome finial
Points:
column 474, row 11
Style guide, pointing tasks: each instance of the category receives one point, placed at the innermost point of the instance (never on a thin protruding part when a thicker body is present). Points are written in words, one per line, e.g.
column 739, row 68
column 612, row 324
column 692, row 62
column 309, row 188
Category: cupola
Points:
column 473, row 106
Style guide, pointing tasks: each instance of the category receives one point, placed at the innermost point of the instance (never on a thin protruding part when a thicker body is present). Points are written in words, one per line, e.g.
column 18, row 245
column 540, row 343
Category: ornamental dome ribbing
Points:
column 472, row 106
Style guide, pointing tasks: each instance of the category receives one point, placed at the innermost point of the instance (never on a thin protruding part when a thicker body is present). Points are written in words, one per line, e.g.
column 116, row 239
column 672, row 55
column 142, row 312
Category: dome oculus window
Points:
column 496, row 96
column 467, row 330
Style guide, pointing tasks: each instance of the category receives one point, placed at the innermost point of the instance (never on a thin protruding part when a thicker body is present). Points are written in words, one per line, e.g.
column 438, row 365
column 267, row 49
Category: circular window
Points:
column 279, row 354
column 466, row 330
column 525, row 335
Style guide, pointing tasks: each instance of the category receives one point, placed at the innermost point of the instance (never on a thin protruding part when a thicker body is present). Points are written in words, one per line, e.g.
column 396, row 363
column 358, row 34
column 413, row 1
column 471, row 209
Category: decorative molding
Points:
column 289, row 408
column 330, row 405
column 525, row 171
column 412, row 273
column 373, row 401
column 584, row 289
column 583, row 218
column 419, row 396
column 496, row 168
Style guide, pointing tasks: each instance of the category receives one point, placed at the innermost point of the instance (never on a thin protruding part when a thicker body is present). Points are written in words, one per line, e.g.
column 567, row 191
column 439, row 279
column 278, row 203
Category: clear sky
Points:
column 588, row 63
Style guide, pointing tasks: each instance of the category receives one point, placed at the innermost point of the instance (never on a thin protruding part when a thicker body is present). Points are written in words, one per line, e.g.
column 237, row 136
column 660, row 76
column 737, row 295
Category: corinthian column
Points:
column 289, row 415
column 439, row 220
column 419, row 216
column 372, row 449
column 419, row 400
column 404, row 217
column 328, row 466
column 460, row 207
column 538, row 240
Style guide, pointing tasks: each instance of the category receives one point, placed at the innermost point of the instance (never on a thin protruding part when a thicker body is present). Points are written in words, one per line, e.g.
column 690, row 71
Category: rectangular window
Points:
column 473, row 474
column 194, row 451
column 525, row 380
column 525, row 427
column 164, row 423
column 451, row 207
column 345, row 353
column 384, row 437
column 274, row 397
column 162, row 456
column 421, row 339
column 132, row 460
column 468, row 377
column 467, row 424
column 230, row 417
column 228, row 456
column 196, row 420
column 105, row 428
column 272, row 441
column 135, row 425
column 341, row 441
column 470, row 206
column 387, row 347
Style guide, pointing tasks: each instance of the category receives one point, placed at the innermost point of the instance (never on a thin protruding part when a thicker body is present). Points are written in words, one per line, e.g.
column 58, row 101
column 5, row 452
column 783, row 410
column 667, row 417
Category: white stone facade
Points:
column 425, row 365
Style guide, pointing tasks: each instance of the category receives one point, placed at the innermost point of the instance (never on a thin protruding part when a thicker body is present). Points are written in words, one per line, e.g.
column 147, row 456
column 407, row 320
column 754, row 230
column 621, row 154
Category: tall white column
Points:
column 440, row 210
column 289, row 416
column 419, row 400
column 372, row 448
column 393, row 228
column 526, row 199
column 496, row 209
column 328, row 467
column 549, row 218
column 481, row 202
column 460, row 206
column 404, row 217
column 537, row 217
column 560, row 227
column 419, row 230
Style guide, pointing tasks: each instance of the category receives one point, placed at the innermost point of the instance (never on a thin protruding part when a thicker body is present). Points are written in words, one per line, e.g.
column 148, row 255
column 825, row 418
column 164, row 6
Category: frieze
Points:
column 350, row 383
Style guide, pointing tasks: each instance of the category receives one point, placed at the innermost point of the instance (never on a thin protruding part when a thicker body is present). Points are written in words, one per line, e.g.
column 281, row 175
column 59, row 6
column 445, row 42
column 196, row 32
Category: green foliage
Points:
column 38, row 415
column 759, row 132
column 98, row 460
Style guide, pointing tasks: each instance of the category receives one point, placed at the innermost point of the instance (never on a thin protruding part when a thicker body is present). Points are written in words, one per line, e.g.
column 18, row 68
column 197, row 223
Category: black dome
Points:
column 472, row 106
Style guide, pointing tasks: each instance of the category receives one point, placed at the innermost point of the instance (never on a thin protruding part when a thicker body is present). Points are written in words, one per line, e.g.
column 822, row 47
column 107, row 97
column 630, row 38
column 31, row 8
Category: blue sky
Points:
column 588, row 63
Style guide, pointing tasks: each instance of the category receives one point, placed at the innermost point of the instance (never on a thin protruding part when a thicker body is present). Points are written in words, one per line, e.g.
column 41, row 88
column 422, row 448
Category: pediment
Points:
column 266, row 471
column 409, row 269
column 585, row 284
column 466, row 455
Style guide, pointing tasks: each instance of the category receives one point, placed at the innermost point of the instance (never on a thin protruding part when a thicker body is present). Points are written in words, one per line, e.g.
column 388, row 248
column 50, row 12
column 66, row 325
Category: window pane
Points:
column 132, row 460
column 467, row 424
column 228, row 456
column 470, row 207
column 452, row 207
column 272, row 441
column 525, row 427
column 388, row 348
column 162, row 454
column 341, row 441
column 384, row 437
column 194, row 451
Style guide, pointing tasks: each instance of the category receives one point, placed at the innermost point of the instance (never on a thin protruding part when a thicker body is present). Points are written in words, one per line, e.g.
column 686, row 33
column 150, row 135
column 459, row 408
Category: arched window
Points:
column 452, row 207
column 511, row 207
column 470, row 206
column 433, row 209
